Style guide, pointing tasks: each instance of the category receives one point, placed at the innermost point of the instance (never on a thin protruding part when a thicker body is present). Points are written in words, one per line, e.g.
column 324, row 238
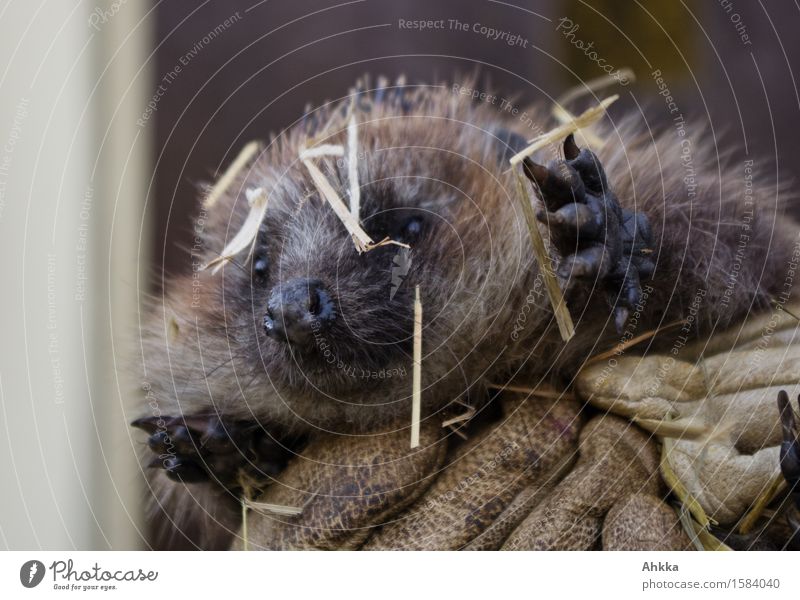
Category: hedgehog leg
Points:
column 203, row 448
column 600, row 244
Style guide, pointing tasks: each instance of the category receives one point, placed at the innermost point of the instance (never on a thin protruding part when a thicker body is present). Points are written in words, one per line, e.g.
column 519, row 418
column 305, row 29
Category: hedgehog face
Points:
column 329, row 319
column 311, row 318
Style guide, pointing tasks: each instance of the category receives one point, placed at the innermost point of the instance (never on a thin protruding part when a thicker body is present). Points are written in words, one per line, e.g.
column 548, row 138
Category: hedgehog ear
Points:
column 571, row 150
column 535, row 172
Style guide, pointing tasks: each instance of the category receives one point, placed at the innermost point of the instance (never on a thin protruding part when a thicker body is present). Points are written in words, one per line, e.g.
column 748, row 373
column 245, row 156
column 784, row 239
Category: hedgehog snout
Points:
column 297, row 310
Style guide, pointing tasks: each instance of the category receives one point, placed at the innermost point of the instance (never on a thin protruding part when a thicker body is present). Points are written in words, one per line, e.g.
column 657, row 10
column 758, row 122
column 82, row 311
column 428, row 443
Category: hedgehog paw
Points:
column 790, row 446
column 601, row 244
column 201, row 448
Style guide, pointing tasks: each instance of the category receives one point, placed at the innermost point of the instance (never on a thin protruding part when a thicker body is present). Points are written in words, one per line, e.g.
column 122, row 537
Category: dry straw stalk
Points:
column 564, row 320
column 586, row 118
column 416, row 397
column 223, row 183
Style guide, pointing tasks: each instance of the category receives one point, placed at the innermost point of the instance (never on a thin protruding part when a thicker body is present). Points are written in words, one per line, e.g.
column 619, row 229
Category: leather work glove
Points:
column 375, row 493
column 611, row 500
column 714, row 405
column 524, row 455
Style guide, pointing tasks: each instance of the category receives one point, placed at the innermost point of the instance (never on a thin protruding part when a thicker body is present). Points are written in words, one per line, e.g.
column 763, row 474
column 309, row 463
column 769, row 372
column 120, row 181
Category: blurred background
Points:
column 114, row 114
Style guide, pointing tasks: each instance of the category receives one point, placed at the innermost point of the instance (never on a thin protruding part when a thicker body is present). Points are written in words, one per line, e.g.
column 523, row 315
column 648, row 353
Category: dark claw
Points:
column 184, row 470
column 535, row 172
column 571, row 150
column 559, row 183
column 147, row 424
column 620, row 318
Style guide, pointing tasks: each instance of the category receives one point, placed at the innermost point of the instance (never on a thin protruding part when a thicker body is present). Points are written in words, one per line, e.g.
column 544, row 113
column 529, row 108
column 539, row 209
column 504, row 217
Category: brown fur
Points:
column 474, row 267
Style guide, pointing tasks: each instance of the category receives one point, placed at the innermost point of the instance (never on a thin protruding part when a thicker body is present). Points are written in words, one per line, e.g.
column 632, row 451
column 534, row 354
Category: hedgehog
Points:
column 307, row 333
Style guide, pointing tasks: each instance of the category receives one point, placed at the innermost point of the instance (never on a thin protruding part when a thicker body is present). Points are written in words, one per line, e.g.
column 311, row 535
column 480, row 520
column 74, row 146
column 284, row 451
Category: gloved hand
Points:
column 610, row 500
column 524, row 455
column 343, row 486
column 352, row 489
column 714, row 405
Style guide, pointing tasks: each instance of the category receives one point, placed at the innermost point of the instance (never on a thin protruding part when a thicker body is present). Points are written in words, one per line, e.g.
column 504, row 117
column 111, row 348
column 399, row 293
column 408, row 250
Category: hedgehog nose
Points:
column 297, row 309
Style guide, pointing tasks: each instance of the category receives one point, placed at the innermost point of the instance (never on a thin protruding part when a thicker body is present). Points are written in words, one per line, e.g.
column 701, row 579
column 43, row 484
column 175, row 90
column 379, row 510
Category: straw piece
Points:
column 321, row 150
column 779, row 306
column 710, row 543
column 360, row 237
column 465, row 416
column 323, row 133
column 684, row 430
column 273, row 509
column 675, row 484
column 687, row 524
column 565, row 325
column 622, row 346
column 245, row 545
column 246, row 236
column 583, row 137
column 687, row 428
column 352, row 168
column 533, row 391
column 361, row 240
column 458, row 432
column 416, row 399
column 776, row 485
column 592, row 86
column 173, row 330
column 702, row 539
column 250, row 149
column 585, row 119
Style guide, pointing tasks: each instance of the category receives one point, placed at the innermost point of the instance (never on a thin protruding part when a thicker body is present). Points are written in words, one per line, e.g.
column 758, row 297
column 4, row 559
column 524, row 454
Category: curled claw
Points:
column 147, row 424
column 571, row 150
column 558, row 184
column 535, row 172
column 621, row 314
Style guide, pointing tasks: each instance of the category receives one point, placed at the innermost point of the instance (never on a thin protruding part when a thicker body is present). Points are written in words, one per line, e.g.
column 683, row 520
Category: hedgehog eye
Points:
column 412, row 229
column 260, row 256
column 260, row 266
